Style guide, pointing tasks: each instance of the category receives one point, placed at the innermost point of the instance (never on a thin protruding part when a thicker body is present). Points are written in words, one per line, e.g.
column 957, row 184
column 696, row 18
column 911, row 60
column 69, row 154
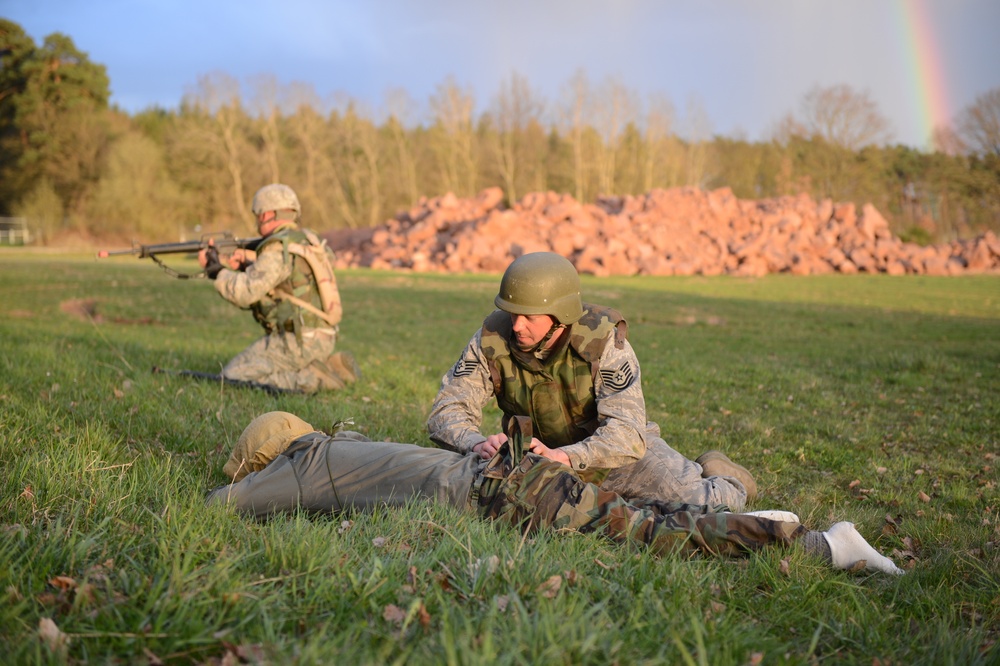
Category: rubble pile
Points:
column 680, row 231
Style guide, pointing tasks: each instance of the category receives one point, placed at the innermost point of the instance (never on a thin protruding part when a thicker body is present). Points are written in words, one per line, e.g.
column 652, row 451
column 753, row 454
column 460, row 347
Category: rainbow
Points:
column 927, row 80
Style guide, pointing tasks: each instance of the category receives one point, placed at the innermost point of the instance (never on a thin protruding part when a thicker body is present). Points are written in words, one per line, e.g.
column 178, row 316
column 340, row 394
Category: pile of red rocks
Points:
column 681, row 231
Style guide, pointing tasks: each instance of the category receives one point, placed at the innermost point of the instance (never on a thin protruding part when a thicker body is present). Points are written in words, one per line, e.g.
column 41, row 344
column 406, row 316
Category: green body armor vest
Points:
column 277, row 314
column 557, row 393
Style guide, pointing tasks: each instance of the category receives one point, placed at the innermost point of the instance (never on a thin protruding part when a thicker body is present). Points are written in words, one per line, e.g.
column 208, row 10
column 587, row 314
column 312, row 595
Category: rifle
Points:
column 241, row 383
column 221, row 241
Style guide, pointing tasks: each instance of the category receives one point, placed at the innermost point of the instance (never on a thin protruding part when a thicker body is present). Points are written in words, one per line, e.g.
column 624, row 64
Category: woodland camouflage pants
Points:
column 541, row 494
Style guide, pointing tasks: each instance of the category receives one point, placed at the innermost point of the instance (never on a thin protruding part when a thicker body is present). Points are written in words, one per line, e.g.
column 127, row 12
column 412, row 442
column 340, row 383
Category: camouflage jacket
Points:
column 274, row 271
column 601, row 398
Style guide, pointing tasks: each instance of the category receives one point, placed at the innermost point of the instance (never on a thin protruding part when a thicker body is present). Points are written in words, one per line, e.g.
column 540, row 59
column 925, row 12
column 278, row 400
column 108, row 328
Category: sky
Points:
column 739, row 65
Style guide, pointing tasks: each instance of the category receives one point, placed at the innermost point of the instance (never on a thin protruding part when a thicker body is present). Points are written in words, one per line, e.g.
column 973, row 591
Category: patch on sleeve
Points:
column 463, row 368
column 619, row 379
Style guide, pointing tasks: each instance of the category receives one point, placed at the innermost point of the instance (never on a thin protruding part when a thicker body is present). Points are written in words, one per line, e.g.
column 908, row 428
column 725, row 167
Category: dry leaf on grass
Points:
column 393, row 613
column 550, row 588
column 55, row 639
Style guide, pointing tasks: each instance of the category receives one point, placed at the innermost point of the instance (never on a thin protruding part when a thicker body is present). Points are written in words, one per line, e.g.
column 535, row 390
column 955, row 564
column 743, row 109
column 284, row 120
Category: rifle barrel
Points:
column 146, row 251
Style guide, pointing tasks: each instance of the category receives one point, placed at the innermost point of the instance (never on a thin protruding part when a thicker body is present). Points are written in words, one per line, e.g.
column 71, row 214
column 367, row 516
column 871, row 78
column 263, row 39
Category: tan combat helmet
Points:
column 541, row 283
column 275, row 197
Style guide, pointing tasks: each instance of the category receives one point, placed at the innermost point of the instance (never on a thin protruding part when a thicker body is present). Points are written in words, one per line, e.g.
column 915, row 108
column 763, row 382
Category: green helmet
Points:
column 275, row 197
column 541, row 283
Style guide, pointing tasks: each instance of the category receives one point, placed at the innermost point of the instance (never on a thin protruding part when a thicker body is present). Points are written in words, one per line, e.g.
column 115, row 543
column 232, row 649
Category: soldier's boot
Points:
column 328, row 379
column 717, row 463
column 345, row 366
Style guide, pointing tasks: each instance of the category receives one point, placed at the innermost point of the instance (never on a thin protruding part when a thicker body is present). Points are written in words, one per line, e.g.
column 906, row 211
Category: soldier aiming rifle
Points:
column 285, row 278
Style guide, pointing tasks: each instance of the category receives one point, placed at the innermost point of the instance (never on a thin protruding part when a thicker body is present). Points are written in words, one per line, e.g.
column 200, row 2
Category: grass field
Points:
column 866, row 398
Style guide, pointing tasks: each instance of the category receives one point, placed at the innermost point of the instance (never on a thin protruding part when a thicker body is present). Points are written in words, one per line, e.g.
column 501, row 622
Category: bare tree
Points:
column 515, row 107
column 400, row 108
column 615, row 107
column 217, row 98
column 946, row 140
column 657, row 165
column 573, row 121
column 310, row 135
column 266, row 101
column 844, row 117
column 698, row 131
column 979, row 124
column 455, row 145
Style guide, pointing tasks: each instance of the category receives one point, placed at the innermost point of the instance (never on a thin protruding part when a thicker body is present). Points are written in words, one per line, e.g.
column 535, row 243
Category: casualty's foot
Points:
column 717, row 463
column 345, row 366
column 848, row 548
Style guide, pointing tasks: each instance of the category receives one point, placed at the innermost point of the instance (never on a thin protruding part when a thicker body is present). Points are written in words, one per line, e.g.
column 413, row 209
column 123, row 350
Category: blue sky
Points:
column 744, row 63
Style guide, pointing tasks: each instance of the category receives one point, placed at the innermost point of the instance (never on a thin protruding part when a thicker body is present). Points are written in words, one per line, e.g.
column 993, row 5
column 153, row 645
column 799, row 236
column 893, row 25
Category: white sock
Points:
column 780, row 516
column 848, row 547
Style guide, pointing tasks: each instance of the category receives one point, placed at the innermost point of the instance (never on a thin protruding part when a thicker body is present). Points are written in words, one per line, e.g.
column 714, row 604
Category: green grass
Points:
column 867, row 398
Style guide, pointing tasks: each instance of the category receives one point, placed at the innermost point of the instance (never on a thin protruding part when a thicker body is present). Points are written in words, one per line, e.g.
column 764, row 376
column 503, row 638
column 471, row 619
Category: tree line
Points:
column 71, row 162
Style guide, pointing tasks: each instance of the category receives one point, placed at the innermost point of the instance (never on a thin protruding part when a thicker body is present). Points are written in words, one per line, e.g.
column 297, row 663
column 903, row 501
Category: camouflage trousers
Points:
column 279, row 360
column 542, row 494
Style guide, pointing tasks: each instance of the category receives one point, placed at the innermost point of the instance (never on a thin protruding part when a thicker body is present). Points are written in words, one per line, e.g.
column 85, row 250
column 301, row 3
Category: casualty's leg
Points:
column 541, row 494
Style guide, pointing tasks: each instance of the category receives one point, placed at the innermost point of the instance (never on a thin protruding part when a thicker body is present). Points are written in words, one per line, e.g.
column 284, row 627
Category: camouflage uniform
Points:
column 324, row 474
column 297, row 341
column 584, row 398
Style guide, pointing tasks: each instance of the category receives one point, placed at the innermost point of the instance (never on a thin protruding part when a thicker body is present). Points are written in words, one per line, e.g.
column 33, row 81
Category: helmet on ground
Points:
column 541, row 283
column 275, row 197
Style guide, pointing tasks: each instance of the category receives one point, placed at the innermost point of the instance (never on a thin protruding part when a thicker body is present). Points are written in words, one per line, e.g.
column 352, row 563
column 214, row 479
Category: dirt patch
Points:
column 86, row 309
column 81, row 308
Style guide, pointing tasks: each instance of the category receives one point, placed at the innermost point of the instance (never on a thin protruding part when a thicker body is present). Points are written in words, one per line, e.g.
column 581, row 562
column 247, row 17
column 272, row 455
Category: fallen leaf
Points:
column 502, row 602
column 550, row 588
column 55, row 639
column 858, row 566
column 784, row 567
column 378, row 542
column 393, row 613
column 854, row 484
column 923, row 497
column 423, row 616
column 63, row 582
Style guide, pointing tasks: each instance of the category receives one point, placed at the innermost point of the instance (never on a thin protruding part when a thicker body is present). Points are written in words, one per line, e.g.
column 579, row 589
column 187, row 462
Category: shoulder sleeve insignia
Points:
column 619, row 379
column 463, row 368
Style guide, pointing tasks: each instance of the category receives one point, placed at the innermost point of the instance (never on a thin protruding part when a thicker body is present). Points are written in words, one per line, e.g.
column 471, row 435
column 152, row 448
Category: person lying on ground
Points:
column 281, row 464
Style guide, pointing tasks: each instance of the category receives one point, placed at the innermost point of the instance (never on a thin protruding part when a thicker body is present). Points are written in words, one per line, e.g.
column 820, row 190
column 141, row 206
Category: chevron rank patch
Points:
column 619, row 379
column 463, row 368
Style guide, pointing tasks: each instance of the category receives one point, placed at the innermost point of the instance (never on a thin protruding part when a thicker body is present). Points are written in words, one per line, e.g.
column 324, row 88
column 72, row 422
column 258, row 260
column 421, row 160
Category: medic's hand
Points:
column 552, row 454
column 489, row 448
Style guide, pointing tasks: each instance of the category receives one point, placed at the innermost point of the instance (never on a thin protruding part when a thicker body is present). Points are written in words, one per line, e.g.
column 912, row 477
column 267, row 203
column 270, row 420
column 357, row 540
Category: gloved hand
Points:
column 212, row 264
